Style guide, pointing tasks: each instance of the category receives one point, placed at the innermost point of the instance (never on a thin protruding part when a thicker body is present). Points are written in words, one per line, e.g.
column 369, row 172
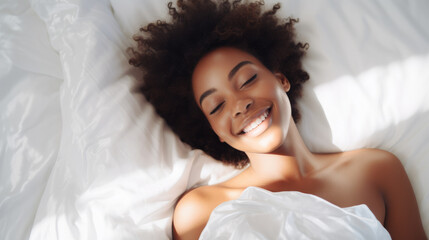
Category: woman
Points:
column 226, row 77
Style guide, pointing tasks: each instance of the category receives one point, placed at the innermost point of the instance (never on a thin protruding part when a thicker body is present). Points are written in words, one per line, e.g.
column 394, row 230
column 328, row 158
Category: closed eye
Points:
column 216, row 108
column 249, row 81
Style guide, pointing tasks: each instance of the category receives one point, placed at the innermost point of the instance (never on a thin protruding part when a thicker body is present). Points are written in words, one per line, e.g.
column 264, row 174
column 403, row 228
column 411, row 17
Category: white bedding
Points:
column 83, row 157
column 261, row 214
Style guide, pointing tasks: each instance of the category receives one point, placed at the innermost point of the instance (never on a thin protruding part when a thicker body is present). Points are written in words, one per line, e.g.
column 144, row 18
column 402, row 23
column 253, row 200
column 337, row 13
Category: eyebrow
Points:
column 231, row 74
column 236, row 68
column 206, row 93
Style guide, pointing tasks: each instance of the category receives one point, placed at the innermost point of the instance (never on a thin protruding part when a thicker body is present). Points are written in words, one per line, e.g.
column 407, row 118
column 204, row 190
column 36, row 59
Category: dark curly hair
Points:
column 167, row 52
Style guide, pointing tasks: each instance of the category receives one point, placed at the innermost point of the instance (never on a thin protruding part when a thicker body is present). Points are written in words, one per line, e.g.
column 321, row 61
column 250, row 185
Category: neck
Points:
column 289, row 162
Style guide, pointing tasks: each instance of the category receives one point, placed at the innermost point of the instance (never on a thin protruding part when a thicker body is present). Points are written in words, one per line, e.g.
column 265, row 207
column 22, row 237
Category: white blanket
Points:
column 263, row 215
column 83, row 157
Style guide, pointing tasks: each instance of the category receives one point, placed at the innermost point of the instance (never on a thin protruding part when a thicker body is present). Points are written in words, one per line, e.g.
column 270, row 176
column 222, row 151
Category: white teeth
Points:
column 256, row 122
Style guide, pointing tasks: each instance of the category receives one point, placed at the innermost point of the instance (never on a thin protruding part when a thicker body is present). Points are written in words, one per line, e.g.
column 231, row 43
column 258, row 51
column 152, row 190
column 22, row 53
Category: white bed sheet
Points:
column 264, row 215
column 82, row 157
column 30, row 116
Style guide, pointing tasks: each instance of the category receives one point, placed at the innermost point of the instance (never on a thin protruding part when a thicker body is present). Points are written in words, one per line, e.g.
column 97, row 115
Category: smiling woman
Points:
column 236, row 84
column 226, row 77
column 198, row 27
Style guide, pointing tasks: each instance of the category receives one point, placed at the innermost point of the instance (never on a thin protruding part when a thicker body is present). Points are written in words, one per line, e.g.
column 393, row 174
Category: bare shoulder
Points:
column 402, row 218
column 384, row 162
column 370, row 159
column 376, row 165
column 383, row 167
column 193, row 211
column 368, row 167
column 372, row 154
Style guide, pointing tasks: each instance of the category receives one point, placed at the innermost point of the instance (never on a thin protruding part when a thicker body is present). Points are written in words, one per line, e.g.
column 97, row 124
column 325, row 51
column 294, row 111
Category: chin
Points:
column 268, row 144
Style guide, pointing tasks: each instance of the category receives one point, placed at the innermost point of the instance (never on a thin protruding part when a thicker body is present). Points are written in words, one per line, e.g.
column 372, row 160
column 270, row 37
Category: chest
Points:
column 343, row 191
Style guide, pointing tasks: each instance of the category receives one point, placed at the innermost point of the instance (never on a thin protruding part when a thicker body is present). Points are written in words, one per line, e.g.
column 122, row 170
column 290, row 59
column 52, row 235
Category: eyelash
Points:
column 249, row 81
column 216, row 108
column 244, row 84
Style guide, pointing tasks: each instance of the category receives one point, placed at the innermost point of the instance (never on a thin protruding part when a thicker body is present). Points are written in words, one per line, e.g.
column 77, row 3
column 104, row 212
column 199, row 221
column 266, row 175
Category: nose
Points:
column 242, row 106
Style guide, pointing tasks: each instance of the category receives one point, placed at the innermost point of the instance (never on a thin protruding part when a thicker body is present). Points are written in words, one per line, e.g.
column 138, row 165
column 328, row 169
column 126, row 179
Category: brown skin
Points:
column 279, row 159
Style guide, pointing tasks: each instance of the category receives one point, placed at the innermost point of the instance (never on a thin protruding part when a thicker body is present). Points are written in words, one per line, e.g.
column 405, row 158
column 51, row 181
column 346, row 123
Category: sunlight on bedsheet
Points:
column 374, row 99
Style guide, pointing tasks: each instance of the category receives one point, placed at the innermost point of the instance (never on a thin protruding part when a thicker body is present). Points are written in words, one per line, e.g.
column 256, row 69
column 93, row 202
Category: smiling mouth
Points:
column 256, row 122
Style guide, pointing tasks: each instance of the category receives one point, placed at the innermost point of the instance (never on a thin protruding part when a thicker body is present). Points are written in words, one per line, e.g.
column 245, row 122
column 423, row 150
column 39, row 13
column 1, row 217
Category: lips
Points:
column 254, row 121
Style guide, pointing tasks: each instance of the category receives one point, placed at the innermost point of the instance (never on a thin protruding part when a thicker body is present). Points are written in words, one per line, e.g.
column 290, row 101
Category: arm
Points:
column 190, row 215
column 402, row 218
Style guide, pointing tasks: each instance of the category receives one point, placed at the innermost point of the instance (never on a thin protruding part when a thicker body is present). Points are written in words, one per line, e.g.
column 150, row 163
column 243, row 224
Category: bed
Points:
column 82, row 156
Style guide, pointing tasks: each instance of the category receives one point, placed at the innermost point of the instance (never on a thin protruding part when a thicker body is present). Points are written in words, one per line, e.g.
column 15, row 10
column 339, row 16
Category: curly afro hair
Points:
column 167, row 52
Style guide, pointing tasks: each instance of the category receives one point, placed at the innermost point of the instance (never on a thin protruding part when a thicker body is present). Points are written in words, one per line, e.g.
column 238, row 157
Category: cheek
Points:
column 282, row 97
column 285, row 107
column 220, row 126
column 269, row 86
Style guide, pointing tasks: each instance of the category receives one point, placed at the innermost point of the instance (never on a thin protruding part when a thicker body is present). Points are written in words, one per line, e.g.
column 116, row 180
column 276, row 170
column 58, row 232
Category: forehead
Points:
column 222, row 58
column 218, row 63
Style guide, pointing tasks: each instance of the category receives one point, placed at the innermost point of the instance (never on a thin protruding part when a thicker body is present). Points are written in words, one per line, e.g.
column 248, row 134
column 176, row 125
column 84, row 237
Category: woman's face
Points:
column 244, row 102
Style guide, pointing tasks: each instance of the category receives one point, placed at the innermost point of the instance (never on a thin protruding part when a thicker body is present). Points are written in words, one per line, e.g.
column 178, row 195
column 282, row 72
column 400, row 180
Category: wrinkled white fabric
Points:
column 264, row 215
column 30, row 116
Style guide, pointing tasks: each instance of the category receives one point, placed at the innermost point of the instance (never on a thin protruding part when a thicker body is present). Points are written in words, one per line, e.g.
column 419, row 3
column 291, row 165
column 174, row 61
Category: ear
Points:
column 221, row 140
column 283, row 80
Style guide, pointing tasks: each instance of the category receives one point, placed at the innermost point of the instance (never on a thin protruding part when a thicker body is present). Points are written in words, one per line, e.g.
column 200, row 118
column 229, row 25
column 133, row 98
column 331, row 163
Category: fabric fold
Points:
column 261, row 214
